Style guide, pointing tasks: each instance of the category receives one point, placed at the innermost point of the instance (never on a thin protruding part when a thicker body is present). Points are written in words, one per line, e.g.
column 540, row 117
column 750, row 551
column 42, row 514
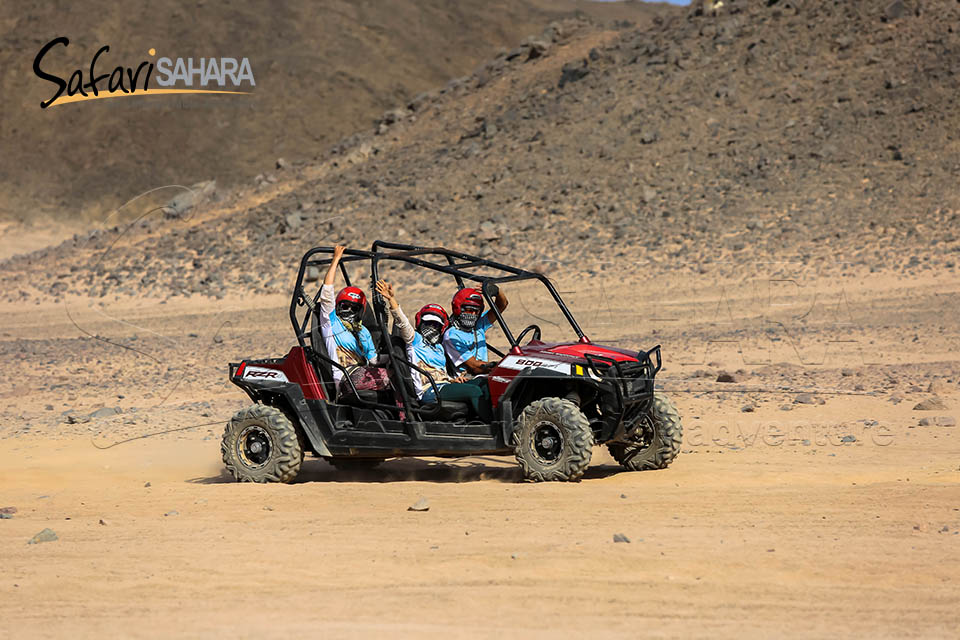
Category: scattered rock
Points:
column 573, row 72
column 292, row 221
column 420, row 505
column 282, row 164
column 391, row 117
column 312, row 274
column 896, row 10
column 172, row 512
column 105, row 412
column 748, row 408
column 183, row 202
column 147, row 485
column 537, row 48
column 103, row 522
column 8, row 510
column 848, row 439
column 619, row 537
column 47, row 535
column 940, row 421
column 931, row 404
column 805, row 398
column 936, row 387
column 723, row 376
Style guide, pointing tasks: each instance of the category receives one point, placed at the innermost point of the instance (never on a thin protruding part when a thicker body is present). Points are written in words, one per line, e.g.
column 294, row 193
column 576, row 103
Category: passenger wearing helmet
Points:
column 423, row 343
column 465, row 341
column 346, row 340
column 425, row 350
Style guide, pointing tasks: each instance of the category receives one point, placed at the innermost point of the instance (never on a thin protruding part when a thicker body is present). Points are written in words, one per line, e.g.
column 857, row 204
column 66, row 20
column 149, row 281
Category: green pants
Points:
column 474, row 392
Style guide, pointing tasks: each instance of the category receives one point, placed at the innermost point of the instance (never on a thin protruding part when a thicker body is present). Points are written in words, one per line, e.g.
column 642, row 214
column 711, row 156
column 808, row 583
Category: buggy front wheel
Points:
column 553, row 441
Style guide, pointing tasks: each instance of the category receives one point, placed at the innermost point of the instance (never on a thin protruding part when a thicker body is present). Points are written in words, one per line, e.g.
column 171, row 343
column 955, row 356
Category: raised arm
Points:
column 385, row 289
column 332, row 269
column 326, row 291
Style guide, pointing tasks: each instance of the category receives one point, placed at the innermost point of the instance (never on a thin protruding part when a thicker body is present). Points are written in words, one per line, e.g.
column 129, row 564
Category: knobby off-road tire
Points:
column 260, row 444
column 664, row 445
column 553, row 441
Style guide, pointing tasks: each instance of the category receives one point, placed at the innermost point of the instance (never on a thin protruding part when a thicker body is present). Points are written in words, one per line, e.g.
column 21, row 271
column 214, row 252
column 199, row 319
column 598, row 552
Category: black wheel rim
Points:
column 254, row 446
column 546, row 442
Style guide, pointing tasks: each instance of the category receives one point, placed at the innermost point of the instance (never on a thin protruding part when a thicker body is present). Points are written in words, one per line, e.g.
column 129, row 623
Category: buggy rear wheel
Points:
column 656, row 446
column 553, row 441
column 260, row 444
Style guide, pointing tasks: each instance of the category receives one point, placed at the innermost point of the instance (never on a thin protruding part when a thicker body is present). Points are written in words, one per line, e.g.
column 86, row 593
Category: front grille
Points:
column 634, row 379
column 639, row 385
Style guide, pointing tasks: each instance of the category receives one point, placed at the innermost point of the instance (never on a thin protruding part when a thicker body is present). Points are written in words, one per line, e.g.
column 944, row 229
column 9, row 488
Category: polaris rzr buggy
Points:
column 552, row 402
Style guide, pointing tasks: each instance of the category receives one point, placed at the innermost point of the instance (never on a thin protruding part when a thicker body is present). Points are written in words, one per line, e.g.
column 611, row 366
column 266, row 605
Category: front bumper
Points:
column 627, row 391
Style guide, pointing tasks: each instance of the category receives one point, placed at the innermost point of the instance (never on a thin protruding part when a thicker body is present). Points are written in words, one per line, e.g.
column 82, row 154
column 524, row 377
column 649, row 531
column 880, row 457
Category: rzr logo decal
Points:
column 267, row 375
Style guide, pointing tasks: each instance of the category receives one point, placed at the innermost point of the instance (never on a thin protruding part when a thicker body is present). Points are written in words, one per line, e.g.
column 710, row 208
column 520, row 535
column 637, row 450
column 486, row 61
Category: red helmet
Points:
column 432, row 312
column 468, row 297
column 352, row 294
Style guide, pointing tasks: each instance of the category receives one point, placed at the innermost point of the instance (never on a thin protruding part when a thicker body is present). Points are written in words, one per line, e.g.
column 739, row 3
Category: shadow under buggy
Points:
column 551, row 402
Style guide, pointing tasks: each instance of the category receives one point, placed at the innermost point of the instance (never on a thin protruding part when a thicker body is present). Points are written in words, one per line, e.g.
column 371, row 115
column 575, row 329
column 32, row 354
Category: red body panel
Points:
column 497, row 381
column 578, row 349
column 573, row 352
column 295, row 366
column 298, row 370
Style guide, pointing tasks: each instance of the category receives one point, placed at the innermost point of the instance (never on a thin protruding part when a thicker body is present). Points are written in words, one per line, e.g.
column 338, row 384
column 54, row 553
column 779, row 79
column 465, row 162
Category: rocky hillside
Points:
column 818, row 133
column 322, row 69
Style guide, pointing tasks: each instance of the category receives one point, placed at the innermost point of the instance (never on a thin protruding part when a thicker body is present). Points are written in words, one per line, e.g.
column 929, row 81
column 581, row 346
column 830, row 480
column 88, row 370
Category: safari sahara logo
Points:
column 180, row 75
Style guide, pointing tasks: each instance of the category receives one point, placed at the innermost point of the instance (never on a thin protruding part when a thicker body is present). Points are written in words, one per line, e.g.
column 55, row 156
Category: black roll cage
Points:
column 462, row 266
column 418, row 256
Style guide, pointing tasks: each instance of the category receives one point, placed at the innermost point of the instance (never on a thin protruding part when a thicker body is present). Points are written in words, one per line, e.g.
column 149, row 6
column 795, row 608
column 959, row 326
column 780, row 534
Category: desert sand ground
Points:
column 771, row 522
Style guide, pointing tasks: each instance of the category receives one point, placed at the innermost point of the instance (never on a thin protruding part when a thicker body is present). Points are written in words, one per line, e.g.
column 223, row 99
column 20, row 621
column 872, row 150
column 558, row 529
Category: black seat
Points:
column 323, row 367
column 360, row 398
column 447, row 410
column 370, row 322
